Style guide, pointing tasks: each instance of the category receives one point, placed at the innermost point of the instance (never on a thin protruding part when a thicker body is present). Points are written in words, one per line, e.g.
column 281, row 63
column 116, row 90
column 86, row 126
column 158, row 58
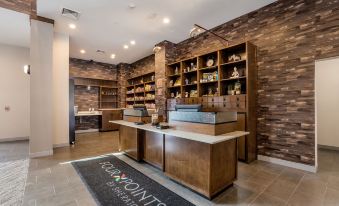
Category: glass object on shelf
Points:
column 186, row 81
column 230, row 89
column 237, row 87
column 186, row 94
column 176, row 70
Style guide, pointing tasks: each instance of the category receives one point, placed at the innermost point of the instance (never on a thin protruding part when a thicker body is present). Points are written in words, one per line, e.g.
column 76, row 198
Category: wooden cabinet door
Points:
column 130, row 142
column 154, row 149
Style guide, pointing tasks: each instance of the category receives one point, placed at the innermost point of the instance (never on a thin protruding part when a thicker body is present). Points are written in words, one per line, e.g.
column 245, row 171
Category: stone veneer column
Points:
column 161, row 58
column 123, row 73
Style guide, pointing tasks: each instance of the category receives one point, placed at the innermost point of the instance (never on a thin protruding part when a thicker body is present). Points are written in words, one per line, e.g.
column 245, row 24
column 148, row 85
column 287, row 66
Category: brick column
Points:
column 162, row 57
column 123, row 73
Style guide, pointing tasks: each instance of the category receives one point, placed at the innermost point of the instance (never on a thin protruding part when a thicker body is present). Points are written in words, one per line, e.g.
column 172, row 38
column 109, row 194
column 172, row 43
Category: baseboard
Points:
column 328, row 147
column 61, row 145
column 286, row 163
column 12, row 139
column 41, row 154
column 86, row 131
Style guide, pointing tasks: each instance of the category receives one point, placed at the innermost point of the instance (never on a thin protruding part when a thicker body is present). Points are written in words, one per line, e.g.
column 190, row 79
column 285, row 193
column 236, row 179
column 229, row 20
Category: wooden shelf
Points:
column 191, row 72
column 187, row 85
column 174, row 75
column 209, row 82
column 243, row 104
column 230, row 79
column 209, row 68
column 175, row 86
column 235, row 62
column 149, row 82
column 146, row 80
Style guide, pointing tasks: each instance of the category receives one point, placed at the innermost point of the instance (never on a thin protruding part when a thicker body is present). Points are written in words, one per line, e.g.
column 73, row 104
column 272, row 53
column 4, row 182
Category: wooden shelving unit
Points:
column 141, row 90
column 216, row 88
column 108, row 90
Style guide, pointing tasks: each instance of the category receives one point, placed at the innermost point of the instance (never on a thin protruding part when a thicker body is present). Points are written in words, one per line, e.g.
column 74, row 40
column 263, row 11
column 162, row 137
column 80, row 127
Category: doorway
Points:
column 327, row 113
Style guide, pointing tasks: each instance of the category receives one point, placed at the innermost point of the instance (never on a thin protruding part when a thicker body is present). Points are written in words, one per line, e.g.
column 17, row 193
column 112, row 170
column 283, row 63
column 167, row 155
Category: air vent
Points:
column 70, row 14
column 101, row 51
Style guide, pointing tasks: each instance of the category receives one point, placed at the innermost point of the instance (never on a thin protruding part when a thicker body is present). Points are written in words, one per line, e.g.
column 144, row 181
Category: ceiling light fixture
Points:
column 125, row 46
column 113, row 56
column 72, row 26
column 132, row 42
column 166, row 20
column 197, row 30
column 82, row 51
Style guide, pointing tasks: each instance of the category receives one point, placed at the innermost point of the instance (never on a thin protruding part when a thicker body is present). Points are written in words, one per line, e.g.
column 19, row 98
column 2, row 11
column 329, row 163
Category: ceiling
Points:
column 14, row 28
column 107, row 25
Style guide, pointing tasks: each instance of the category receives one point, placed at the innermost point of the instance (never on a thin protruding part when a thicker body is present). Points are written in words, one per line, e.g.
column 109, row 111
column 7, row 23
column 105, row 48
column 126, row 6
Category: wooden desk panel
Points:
column 131, row 142
column 205, row 168
column 154, row 149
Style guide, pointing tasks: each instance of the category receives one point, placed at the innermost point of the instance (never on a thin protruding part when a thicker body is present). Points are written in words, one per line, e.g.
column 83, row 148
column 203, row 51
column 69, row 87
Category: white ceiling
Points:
column 14, row 28
column 109, row 24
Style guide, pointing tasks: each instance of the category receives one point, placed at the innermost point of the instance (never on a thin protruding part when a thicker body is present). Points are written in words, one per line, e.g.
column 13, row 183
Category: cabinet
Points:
column 131, row 142
column 154, row 149
column 214, row 94
column 110, row 115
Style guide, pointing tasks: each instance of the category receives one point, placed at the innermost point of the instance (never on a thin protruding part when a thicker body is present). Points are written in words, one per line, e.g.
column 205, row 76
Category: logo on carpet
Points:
column 131, row 193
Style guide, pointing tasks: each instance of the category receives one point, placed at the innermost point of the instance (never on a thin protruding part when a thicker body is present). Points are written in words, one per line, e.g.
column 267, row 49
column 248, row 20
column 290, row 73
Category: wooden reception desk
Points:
column 205, row 163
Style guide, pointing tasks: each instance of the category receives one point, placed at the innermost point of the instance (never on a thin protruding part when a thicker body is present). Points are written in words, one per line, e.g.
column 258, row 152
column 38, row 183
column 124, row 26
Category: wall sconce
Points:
column 27, row 69
column 156, row 49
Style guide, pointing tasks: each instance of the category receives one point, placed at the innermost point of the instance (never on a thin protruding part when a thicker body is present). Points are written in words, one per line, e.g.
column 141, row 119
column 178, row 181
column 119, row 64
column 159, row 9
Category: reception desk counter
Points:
column 205, row 163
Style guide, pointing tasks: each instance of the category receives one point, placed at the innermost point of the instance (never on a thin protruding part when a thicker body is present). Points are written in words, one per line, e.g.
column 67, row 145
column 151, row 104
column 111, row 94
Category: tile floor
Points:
column 53, row 181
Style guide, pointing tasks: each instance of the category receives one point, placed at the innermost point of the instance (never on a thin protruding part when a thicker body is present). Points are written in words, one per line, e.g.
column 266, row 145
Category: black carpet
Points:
column 113, row 182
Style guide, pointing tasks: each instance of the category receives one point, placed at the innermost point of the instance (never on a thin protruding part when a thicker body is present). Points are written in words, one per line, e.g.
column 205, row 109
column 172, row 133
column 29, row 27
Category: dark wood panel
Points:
column 154, row 149
column 131, row 142
column 224, row 163
column 109, row 115
column 210, row 129
column 241, row 126
column 188, row 162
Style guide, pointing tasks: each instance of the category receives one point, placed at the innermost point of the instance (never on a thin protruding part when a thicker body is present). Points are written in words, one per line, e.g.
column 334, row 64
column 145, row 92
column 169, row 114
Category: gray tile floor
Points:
column 53, row 181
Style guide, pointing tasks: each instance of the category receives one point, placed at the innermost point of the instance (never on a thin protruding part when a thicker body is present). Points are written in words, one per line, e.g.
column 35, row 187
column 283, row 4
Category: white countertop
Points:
column 209, row 139
column 83, row 113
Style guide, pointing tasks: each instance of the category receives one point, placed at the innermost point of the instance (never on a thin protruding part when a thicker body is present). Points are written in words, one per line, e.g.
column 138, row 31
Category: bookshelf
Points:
column 225, row 81
column 141, row 90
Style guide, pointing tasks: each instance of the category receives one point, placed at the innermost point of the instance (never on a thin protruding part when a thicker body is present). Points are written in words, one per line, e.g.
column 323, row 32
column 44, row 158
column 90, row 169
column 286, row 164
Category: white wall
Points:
column 327, row 102
column 14, row 92
column 41, row 59
column 60, row 90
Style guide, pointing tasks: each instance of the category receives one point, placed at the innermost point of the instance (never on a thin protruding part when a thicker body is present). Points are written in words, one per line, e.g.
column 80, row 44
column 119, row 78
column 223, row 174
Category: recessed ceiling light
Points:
column 72, row 26
column 166, row 20
column 132, row 42
column 82, row 51
column 125, row 46
column 113, row 56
